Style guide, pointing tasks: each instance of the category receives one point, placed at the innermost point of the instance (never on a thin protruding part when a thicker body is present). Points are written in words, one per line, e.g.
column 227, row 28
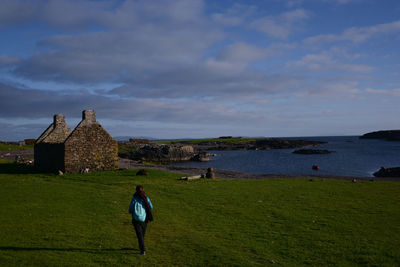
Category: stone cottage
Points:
column 87, row 148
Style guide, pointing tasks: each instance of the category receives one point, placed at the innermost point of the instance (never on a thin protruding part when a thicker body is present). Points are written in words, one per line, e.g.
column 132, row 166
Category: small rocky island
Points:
column 312, row 151
column 194, row 150
column 390, row 135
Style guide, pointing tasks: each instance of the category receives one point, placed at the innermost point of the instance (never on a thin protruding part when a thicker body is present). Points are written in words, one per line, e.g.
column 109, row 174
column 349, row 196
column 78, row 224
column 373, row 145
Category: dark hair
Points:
column 141, row 194
column 139, row 188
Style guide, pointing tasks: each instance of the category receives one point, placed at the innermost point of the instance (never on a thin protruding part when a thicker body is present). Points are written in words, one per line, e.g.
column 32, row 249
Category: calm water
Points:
column 353, row 157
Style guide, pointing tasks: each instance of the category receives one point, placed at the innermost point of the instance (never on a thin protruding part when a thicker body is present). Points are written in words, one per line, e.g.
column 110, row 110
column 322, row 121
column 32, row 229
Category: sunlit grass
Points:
column 82, row 219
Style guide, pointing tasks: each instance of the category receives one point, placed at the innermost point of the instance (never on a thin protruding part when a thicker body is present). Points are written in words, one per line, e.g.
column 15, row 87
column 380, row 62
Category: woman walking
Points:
column 140, row 208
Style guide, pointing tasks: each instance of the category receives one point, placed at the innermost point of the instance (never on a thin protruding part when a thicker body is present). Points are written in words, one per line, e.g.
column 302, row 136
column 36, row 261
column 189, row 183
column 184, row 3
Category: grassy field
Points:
column 80, row 220
column 6, row 147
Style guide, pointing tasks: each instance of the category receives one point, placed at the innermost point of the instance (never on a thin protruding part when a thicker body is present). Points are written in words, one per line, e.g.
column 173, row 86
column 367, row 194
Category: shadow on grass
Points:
column 85, row 250
column 15, row 168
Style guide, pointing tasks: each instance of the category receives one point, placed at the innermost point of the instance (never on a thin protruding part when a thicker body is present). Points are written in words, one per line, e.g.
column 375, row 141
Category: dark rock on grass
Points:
column 141, row 172
column 388, row 172
column 312, row 151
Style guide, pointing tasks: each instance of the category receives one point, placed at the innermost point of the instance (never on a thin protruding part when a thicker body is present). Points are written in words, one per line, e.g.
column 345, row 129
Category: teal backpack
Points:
column 139, row 211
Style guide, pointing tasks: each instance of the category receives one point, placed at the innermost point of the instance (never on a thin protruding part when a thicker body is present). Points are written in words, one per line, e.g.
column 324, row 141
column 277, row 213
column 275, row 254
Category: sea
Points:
column 351, row 157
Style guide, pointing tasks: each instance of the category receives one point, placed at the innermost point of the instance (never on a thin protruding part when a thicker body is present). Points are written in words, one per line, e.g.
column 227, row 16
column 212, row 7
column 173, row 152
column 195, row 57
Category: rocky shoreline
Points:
column 163, row 153
column 129, row 164
column 146, row 151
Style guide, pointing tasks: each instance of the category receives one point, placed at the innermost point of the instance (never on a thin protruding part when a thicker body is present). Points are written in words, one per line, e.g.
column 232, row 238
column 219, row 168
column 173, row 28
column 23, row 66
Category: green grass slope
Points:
column 82, row 220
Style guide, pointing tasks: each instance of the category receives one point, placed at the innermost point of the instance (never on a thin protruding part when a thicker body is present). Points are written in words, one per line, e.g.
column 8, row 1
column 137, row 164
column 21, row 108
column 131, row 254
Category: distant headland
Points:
column 389, row 135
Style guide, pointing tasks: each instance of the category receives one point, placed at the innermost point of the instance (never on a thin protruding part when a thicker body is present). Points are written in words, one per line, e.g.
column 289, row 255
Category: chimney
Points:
column 59, row 120
column 89, row 116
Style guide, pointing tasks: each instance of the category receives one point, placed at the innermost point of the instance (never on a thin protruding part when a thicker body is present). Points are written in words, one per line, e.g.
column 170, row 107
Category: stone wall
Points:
column 90, row 147
column 57, row 132
column 49, row 147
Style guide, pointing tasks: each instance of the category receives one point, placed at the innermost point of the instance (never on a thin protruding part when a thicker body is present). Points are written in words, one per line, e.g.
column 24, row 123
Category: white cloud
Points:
column 242, row 53
column 343, row 2
column 79, row 15
column 393, row 92
column 327, row 62
column 294, row 3
column 355, row 35
column 280, row 26
column 294, row 16
column 6, row 60
column 16, row 11
column 34, row 104
column 272, row 28
column 118, row 56
column 234, row 16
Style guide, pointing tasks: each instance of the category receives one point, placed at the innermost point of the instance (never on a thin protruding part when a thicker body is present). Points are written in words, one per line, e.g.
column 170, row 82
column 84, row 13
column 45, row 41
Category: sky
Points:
column 199, row 68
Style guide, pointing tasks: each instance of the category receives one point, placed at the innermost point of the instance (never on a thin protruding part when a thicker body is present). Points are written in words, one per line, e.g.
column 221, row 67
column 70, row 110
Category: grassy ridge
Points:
column 82, row 220
column 126, row 147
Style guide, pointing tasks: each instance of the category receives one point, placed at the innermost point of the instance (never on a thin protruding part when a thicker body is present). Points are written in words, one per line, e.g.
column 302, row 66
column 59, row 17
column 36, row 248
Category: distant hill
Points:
column 126, row 138
column 389, row 135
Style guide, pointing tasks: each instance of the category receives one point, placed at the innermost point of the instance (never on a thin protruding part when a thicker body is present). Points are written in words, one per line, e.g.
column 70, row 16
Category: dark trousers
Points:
column 140, row 228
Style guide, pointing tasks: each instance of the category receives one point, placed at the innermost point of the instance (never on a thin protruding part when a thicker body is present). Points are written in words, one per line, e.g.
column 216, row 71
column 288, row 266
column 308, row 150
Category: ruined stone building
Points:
column 88, row 147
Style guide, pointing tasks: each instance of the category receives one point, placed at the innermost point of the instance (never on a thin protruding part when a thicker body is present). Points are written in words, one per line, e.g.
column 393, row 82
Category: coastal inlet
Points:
column 353, row 157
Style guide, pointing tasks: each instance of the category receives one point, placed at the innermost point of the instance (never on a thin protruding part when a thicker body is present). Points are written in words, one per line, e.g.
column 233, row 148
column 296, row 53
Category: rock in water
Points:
column 312, row 151
column 315, row 167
